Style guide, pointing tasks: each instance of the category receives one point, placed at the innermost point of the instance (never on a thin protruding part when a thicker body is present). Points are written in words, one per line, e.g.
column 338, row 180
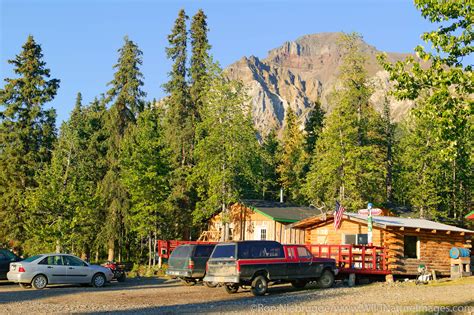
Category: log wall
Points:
column 434, row 246
column 433, row 250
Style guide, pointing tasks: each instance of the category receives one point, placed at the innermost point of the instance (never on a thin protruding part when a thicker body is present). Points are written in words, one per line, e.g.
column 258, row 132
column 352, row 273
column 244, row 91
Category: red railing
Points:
column 164, row 248
column 354, row 258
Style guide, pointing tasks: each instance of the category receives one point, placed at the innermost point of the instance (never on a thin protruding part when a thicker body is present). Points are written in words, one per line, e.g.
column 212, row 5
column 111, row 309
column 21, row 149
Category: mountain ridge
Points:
column 304, row 71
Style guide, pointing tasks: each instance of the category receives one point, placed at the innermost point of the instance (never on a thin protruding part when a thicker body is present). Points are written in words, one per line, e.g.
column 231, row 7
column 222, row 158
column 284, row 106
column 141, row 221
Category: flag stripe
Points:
column 338, row 216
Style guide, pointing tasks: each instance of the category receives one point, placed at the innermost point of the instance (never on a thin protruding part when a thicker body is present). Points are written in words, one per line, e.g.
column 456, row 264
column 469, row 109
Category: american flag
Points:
column 338, row 215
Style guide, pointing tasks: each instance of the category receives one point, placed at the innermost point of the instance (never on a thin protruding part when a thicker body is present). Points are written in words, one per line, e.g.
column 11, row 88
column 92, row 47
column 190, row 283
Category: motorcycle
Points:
column 117, row 270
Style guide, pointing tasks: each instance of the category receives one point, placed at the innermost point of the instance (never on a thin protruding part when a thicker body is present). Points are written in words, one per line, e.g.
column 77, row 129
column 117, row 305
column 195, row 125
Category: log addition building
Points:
column 407, row 242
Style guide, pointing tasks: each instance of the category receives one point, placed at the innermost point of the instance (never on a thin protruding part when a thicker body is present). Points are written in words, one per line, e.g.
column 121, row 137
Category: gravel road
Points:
column 163, row 296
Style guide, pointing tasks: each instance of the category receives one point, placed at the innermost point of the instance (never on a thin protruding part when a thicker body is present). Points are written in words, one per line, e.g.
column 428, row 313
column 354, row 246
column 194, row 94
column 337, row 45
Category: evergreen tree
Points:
column 179, row 128
column 27, row 133
column 52, row 202
column 145, row 172
column 65, row 200
column 199, row 60
column 348, row 162
column 228, row 165
column 179, row 122
column 444, row 87
column 292, row 160
column 313, row 127
column 271, row 151
column 127, row 98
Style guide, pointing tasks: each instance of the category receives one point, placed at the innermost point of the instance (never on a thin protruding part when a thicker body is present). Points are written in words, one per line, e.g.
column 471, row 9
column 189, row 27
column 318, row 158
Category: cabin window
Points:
column 263, row 234
column 411, row 246
column 355, row 239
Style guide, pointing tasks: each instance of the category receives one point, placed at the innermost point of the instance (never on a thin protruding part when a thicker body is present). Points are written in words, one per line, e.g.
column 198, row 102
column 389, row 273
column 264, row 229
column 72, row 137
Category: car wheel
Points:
column 298, row 284
column 122, row 277
column 259, row 286
column 231, row 288
column 326, row 280
column 25, row 285
column 210, row 284
column 39, row 282
column 98, row 280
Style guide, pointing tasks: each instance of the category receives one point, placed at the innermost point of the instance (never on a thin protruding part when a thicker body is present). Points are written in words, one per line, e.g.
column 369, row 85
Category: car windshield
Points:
column 32, row 258
column 224, row 251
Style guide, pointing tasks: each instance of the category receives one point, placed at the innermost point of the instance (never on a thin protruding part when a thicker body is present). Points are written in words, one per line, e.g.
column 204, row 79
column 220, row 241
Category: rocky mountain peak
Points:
column 301, row 72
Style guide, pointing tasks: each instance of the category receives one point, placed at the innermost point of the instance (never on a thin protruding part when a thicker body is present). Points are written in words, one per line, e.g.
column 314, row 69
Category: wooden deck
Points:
column 357, row 259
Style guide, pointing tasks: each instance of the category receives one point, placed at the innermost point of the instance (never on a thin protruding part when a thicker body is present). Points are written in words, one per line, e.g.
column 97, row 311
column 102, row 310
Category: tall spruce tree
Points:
column 127, row 98
column 313, row 127
column 443, row 86
column 348, row 161
column 179, row 128
column 199, row 60
column 27, row 133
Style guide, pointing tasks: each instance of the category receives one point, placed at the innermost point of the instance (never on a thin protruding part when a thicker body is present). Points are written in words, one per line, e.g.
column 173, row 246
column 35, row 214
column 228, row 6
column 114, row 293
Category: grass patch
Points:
column 446, row 282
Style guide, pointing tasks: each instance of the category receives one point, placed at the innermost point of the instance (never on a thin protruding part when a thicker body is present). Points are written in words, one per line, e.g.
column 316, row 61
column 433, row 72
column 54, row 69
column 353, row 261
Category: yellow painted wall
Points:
column 246, row 225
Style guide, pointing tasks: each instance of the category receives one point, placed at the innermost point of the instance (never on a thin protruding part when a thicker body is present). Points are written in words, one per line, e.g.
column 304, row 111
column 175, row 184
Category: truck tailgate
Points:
column 222, row 267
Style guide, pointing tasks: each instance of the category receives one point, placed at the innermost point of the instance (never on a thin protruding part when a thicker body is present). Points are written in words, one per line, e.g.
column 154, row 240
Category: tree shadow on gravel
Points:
column 10, row 292
column 281, row 299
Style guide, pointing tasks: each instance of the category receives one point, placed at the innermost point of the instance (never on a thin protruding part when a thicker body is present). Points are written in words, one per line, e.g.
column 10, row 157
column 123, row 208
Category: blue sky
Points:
column 80, row 38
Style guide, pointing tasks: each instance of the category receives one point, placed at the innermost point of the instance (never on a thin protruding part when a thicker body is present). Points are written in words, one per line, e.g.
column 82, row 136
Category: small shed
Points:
column 409, row 242
column 260, row 220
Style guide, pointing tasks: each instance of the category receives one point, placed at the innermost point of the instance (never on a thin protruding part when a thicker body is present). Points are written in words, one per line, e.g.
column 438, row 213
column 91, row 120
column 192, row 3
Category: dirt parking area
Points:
column 161, row 296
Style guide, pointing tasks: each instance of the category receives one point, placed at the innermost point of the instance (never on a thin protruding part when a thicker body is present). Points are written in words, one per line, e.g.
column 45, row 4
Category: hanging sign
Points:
column 375, row 211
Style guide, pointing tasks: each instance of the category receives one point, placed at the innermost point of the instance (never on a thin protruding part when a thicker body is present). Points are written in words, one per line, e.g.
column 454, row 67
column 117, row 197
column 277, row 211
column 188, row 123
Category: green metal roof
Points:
column 281, row 212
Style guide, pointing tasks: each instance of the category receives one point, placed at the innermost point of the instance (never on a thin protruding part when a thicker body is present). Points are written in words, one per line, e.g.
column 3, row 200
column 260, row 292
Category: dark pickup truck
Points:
column 260, row 263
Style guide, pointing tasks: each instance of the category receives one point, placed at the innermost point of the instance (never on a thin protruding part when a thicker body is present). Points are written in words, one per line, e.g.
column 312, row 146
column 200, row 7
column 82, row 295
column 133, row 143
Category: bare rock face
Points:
column 299, row 73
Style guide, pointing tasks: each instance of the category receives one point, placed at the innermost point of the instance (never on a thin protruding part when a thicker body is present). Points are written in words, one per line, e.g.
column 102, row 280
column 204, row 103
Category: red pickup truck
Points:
column 261, row 263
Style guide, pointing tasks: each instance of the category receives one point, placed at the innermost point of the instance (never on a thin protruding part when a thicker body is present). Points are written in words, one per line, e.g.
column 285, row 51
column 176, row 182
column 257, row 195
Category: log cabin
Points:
column 259, row 220
column 408, row 242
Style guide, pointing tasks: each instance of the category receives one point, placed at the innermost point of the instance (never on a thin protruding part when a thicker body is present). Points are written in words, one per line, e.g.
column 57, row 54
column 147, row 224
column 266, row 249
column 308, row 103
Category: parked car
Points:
column 188, row 263
column 40, row 270
column 6, row 257
column 261, row 263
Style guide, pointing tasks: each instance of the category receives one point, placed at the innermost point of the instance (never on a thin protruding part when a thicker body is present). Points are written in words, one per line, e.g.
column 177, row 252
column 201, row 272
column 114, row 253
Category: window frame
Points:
column 263, row 231
column 356, row 235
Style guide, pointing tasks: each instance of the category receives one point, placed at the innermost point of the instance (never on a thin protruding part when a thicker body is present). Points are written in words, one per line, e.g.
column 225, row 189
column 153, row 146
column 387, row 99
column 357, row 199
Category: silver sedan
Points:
column 40, row 270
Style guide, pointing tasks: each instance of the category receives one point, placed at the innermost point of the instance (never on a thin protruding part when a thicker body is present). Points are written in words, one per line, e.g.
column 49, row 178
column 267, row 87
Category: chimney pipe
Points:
column 281, row 195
